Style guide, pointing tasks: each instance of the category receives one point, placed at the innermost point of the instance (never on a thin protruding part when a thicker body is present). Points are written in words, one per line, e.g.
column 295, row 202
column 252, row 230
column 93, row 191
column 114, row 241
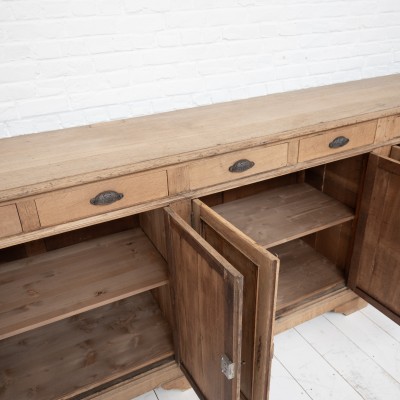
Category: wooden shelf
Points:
column 304, row 275
column 77, row 354
column 43, row 289
column 276, row 216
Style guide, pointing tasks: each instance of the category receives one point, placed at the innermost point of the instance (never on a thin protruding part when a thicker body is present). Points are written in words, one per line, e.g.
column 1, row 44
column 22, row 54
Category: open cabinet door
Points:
column 207, row 297
column 375, row 267
column 260, row 270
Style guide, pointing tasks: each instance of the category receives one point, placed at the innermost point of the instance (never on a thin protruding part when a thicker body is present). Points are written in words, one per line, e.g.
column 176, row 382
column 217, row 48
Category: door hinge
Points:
column 227, row 367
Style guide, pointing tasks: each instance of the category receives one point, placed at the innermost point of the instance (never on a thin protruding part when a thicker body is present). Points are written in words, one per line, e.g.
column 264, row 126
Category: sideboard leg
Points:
column 180, row 383
column 351, row 306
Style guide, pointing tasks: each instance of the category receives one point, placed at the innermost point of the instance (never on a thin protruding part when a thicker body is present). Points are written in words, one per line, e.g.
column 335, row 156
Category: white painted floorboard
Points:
column 330, row 357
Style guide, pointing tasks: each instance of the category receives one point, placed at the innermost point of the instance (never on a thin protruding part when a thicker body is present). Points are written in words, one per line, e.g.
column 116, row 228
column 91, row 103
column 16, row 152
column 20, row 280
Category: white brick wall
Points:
column 67, row 63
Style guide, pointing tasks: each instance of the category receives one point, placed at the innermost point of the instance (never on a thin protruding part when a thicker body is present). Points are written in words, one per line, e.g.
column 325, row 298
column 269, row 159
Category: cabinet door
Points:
column 375, row 268
column 260, row 271
column 207, row 297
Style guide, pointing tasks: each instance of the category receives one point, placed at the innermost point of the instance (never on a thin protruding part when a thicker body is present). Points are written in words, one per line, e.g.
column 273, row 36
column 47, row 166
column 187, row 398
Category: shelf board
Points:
column 304, row 275
column 42, row 289
column 82, row 352
column 279, row 215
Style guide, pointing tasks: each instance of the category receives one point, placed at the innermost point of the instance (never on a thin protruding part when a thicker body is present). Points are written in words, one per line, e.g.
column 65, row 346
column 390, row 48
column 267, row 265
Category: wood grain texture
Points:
column 28, row 215
column 80, row 155
column 260, row 271
column 140, row 384
column 313, row 309
column 85, row 351
column 38, row 290
column 75, row 203
column 178, row 179
column 152, row 224
column 293, row 152
column 395, row 153
column 83, row 223
column 10, row 223
column 351, row 306
column 375, row 270
column 318, row 146
column 342, row 179
column 208, row 294
column 214, row 170
column 388, row 128
column 279, row 215
column 256, row 188
column 91, row 232
column 304, row 275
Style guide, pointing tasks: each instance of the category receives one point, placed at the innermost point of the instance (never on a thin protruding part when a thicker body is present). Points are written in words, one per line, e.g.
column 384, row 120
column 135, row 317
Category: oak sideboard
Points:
column 136, row 252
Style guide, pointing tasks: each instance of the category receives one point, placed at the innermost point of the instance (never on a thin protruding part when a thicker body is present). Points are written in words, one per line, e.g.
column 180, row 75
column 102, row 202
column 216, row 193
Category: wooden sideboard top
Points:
column 46, row 161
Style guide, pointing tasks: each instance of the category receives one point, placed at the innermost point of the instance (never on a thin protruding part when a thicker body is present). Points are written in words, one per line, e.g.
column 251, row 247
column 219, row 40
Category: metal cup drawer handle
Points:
column 241, row 166
column 106, row 198
column 340, row 141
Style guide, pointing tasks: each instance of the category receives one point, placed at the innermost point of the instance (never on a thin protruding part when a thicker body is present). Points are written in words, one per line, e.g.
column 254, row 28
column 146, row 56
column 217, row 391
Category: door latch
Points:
column 227, row 367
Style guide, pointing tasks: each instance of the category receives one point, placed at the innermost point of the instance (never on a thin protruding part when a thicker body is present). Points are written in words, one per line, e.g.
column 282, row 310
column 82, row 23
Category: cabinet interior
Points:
column 307, row 220
column 90, row 305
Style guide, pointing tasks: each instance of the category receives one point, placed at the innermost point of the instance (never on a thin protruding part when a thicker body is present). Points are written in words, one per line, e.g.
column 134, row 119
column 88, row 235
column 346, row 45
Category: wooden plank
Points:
column 10, row 223
column 28, row 214
column 293, row 152
column 350, row 361
column 175, row 394
column 335, row 244
column 343, row 179
column 351, row 306
column 304, row 274
column 178, row 179
column 384, row 322
column 152, row 223
column 85, row 351
column 371, row 339
column 279, row 215
column 91, row 232
column 313, row 309
column 140, row 384
column 39, row 290
column 67, row 205
column 284, row 386
column 255, row 188
column 388, row 128
column 208, row 300
column 315, row 375
column 375, row 273
column 395, row 153
column 48, row 161
column 260, row 271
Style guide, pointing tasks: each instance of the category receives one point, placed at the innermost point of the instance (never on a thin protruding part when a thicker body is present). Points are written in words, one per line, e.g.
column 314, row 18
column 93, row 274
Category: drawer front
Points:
column 84, row 201
column 238, row 164
column 337, row 141
column 9, row 221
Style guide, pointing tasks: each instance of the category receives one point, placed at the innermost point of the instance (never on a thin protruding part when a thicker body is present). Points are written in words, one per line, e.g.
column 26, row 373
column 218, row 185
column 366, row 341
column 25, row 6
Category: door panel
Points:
column 207, row 296
column 260, row 271
column 375, row 268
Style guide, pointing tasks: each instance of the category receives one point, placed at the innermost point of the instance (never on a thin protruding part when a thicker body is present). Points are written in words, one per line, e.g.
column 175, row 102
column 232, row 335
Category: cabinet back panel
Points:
column 249, row 190
column 340, row 180
column 333, row 243
column 90, row 232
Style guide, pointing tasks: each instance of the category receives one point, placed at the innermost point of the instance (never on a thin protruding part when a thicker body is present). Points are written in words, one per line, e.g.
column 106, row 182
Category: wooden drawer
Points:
column 76, row 203
column 9, row 221
column 337, row 141
column 219, row 169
